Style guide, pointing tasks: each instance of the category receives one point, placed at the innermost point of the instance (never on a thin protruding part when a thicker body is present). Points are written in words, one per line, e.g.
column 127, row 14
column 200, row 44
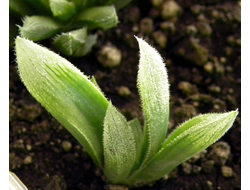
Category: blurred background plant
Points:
column 69, row 24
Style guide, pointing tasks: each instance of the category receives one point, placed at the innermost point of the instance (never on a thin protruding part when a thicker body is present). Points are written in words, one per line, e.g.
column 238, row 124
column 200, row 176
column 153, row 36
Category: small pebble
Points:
column 196, row 169
column 27, row 160
column 28, row 147
column 187, row 168
column 160, row 38
column 209, row 185
column 146, row 26
column 227, row 171
column 204, row 29
column 124, row 91
column 223, row 60
column 208, row 67
column 207, row 166
column 220, row 153
column 116, row 187
column 110, row 56
column 214, row 89
column 187, row 88
column 157, row 3
column 191, row 30
column 194, row 52
column 170, row 9
column 66, row 145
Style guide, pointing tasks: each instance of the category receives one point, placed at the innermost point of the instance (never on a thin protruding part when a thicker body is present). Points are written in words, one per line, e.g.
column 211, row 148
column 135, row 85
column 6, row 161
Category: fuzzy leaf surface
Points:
column 154, row 92
column 66, row 93
column 38, row 28
column 138, row 135
column 119, row 146
column 186, row 141
column 98, row 17
column 75, row 43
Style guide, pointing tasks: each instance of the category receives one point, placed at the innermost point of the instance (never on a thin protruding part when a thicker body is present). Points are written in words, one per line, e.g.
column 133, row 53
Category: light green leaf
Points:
column 62, row 9
column 75, row 43
column 119, row 146
column 93, row 80
column 38, row 28
column 154, row 92
column 66, row 93
column 186, row 141
column 138, row 135
column 98, row 17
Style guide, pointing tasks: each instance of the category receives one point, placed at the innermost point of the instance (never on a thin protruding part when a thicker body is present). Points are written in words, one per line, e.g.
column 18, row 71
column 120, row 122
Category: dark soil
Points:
column 203, row 58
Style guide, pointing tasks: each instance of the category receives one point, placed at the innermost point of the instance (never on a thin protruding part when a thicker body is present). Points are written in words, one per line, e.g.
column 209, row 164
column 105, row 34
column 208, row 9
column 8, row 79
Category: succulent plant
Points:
column 128, row 153
column 67, row 22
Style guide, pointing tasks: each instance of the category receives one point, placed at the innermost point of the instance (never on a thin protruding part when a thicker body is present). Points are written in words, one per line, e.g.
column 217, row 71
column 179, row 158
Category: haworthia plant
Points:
column 64, row 21
column 127, row 153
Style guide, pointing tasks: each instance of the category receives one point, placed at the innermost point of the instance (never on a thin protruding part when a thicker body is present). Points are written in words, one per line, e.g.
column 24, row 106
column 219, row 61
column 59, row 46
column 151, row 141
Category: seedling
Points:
column 127, row 153
column 66, row 21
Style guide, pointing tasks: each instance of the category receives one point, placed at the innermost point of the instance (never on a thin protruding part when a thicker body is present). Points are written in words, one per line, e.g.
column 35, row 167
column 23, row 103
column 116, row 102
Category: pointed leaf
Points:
column 75, row 43
column 94, row 82
column 98, row 17
column 66, row 93
column 62, row 9
column 119, row 146
column 154, row 92
column 38, row 28
column 186, row 141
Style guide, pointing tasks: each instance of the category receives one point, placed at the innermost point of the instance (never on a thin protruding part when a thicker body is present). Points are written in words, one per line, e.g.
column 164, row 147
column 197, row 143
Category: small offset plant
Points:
column 67, row 21
column 127, row 153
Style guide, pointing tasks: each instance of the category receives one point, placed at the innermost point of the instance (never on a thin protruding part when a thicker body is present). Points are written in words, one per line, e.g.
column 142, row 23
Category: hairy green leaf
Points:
column 75, row 43
column 154, row 92
column 138, row 135
column 119, row 146
column 38, row 28
column 66, row 93
column 62, row 9
column 186, row 141
column 93, row 80
column 98, row 17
